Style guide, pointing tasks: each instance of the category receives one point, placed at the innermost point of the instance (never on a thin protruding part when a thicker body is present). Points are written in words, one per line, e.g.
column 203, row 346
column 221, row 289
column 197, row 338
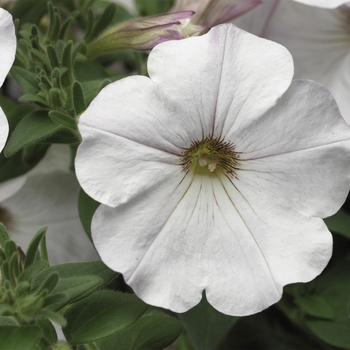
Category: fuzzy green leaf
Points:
column 34, row 127
column 15, row 337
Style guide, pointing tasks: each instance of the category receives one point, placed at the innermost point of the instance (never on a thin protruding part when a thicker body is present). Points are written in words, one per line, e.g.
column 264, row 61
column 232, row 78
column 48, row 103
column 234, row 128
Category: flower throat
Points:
column 212, row 154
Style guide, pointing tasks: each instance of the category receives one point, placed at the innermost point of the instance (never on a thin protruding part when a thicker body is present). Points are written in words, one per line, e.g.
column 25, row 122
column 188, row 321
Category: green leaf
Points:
column 7, row 321
column 206, row 326
column 339, row 223
column 315, row 305
column 15, row 338
column 155, row 329
column 4, row 236
column 87, row 207
column 100, row 315
column 335, row 334
column 47, row 330
column 78, row 99
column 32, row 250
column 26, row 80
column 63, row 119
column 34, row 127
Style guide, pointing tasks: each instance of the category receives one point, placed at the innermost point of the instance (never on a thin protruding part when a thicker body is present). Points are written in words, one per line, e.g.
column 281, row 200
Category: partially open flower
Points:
column 214, row 173
column 147, row 32
column 8, row 50
column 214, row 12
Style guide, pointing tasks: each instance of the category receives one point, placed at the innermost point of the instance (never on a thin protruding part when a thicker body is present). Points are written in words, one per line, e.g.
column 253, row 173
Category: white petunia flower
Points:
column 323, row 3
column 214, row 173
column 318, row 39
column 7, row 56
column 47, row 198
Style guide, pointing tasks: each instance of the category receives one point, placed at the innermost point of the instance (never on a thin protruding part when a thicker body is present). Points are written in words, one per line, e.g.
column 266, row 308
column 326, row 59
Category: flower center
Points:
column 5, row 216
column 212, row 154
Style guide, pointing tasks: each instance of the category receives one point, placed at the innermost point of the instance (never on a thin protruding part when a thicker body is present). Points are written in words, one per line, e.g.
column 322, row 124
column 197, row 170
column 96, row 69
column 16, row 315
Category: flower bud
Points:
column 145, row 33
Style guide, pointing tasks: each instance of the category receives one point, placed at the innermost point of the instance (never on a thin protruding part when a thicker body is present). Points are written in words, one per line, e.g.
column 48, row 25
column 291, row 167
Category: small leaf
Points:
column 4, row 236
column 53, row 316
column 31, row 253
column 15, row 337
column 78, row 99
column 100, row 315
column 26, row 80
column 63, row 119
column 34, row 127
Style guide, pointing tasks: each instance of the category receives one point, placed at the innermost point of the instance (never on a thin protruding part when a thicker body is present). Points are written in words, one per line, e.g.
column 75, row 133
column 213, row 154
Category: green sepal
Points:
column 56, row 97
column 33, row 99
column 32, row 253
column 78, row 99
column 34, row 127
column 22, row 288
column 100, row 315
column 68, row 63
column 63, row 120
column 25, row 79
column 66, row 24
column 49, row 284
column 19, row 337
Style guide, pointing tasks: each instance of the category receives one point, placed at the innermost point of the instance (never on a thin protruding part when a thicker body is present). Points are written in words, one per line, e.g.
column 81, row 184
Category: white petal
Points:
column 299, row 150
column 8, row 43
column 209, row 87
column 277, row 245
column 4, row 129
column 10, row 187
column 50, row 200
column 323, row 3
column 318, row 40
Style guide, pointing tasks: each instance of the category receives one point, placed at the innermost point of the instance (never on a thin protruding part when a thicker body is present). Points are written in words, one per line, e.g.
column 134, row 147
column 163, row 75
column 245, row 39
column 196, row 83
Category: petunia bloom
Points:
column 8, row 50
column 214, row 173
column 214, row 12
column 323, row 3
column 47, row 196
column 147, row 32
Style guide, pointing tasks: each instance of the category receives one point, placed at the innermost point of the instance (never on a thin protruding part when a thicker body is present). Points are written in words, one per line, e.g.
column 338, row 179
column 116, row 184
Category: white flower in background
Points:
column 323, row 3
column 47, row 196
column 213, row 12
column 318, row 39
column 8, row 51
column 214, row 173
column 127, row 4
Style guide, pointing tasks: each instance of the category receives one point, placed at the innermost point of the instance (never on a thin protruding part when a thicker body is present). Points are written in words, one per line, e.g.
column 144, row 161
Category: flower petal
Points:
column 231, row 81
column 50, row 200
column 10, row 187
column 4, row 129
column 323, row 3
column 318, row 40
column 299, row 149
column 8, row 43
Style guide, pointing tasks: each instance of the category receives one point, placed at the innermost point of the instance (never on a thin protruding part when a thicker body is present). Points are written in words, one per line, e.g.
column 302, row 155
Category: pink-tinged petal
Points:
column 330, row 4
column 213, row 12
column 8, row 43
